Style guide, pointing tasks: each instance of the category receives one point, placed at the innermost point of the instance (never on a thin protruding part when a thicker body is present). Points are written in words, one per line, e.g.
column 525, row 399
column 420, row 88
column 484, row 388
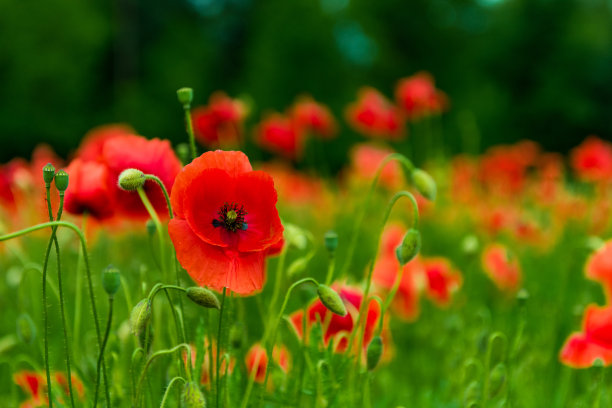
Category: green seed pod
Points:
column 140, row 316
column 131, row 179
column 192, row 397
column 236, row 335
column 203, row 297
column 470, row 244
column 185, row 96
column 409, row 248
column 331, row 299
column 522, row 296
column 111, row 280
column 26, row 329
column 48, row 173
column 61, row 180
column 497, row 379
column 331, row 241
column 375, row 350
column 424, row 184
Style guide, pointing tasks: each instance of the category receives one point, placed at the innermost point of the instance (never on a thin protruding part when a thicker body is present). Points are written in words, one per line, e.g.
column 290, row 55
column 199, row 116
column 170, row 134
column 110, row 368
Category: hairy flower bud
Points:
column 48, row 174
column 61, row 181
column 111, row 280
column 26, row 329
column 192, row 397
column 140, row 316
column 185, row 96
column 331, row 241
column 331, row 299
column 203, row 297
column 409, row 248
column 131, row 179
column 424, row 184
column 374, row 352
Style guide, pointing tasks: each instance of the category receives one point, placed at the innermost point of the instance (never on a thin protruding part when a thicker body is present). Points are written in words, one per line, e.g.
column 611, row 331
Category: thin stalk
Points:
column 76, row 331
column 167, row 393
column 189, row 128
column 44, row 296
column 218, row 379
column 101, row 357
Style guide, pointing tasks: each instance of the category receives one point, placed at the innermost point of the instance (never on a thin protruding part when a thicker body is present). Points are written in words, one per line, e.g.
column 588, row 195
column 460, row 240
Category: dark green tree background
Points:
column 513, row 69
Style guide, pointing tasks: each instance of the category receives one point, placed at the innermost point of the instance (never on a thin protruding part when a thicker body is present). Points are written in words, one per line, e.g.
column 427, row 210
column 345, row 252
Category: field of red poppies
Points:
column 239, row 269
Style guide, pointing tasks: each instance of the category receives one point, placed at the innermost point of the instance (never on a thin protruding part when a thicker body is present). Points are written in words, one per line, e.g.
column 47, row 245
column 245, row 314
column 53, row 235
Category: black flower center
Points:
column 231, row 217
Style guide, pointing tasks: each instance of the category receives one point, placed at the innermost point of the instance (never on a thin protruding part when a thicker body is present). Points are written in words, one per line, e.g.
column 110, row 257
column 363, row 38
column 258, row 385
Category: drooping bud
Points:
column 185, row 96
column 410, row 246
column 375, row 350
column 61, row 180
column 331, row 300
column 26, row 329
column 111, row 280
column 182, row 151
column 424, row 184
column 48, row 174
column 131, row 179
column 331, row 241
column 140, row 316
column 151, row 228
column 192, row 397
column 236, row 335
column 203, row 297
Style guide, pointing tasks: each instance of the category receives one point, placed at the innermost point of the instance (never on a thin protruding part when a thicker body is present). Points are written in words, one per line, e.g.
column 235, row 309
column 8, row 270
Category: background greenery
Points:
column 538, row 69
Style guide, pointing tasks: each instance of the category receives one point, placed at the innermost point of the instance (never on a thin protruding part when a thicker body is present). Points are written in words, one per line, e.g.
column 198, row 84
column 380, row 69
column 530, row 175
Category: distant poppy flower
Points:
column 592, row 159
column 418, row 96
column 91, row 189
column 503, row 169
column 442, row 280
column 595, row 342
column 338, row 328
column 279, row 134
column 92, row 146
column 257, row 361
column 502, row 267
column 314, row 117
column 599, row 267
column 220, row 122
column 34, row 384
column 226, row 219
column 296, row 188
column 375, row 116
column 206, row 363
column 365, row 160
column 77, row 386
column 153, row 156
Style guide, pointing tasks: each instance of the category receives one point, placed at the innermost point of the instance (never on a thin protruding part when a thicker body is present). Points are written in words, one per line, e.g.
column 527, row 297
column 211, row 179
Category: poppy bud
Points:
column 185, row 96
column 61, row 181
column 140, row 316
column 331, row 299
column 409, row 248
column 26, row 329
column 236, row 335
column 131, row 179
column 182, row 151
column 192, row 397
column 331, row 241
column 375, row 350
column 497, row 379
column 48, row 174
column 111, row 280
column 424, row 184
column 151, row 228
column 203, row 297
column 470, row 244
column 594, row 243
column 522, row 296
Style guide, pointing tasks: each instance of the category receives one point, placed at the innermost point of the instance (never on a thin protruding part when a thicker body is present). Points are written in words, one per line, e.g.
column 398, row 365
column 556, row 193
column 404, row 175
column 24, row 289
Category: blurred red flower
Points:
column 595, row 342
column 220, row 122
column 442, row 280
column 226, row 219
column 592, row 159
column 375, row 116
column 34, row 384
column 365, row 160
column 313, row 117
column 92, row 145
column 599, row 267
column 257, row 361
column 418, row 96
column 279, row 134
column 502, row 267
column 91, row 189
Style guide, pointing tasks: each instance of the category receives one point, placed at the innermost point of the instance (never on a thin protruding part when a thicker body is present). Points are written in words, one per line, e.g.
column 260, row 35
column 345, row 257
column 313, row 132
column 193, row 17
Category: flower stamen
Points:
column 231, row 217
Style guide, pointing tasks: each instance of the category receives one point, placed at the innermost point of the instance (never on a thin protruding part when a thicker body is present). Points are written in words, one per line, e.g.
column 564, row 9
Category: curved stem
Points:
column 163, row 189
column 167, row 393
column 389, row 298
column 158, row 227
column 218, row 379
column 408, row 167
column 101, row 357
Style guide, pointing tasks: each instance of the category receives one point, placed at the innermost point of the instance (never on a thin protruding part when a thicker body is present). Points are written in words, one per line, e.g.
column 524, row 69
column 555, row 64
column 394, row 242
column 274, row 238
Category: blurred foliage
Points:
column 513, row 69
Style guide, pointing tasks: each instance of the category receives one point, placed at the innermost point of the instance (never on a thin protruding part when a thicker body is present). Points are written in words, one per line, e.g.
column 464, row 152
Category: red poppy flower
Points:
column 77, row 385
column 34, row 384
column 375, row 116
column 418, row 96
column 295, row 188
column 150, row 156
column 91, row 189
column 502, row 267
column 206, row 363
column 503, row 169
column 92, row 146
column 219, row 123
column 279, row 134
column 257, row 361
column 365, row 160
column 338, row 328
column 442, row 280
column 592, row 160
column 314, row 117
column 595, row 342
column 226, row 219
column 406, row 301
column 599, row 267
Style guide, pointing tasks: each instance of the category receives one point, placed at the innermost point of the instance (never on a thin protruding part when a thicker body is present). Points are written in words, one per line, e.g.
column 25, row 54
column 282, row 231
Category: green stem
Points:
column 408, row 167
column 167, row 393
column 158, row 227
column 163, row 189
column 44, row 296
column 101, row 356
column 218, row 379
column 189, row 126
column 280, row 269
column 389, row 298
column 76, row 332
column 330, row 269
